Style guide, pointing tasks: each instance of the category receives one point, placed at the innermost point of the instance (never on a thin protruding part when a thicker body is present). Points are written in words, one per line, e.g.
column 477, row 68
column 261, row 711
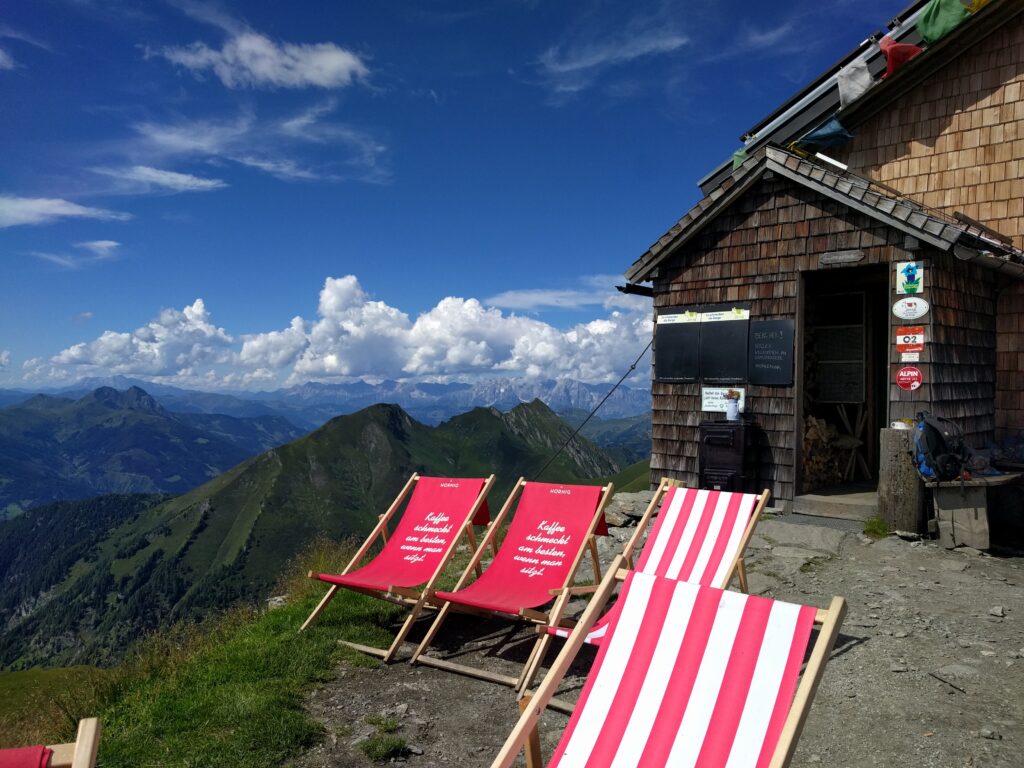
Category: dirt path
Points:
column 928, row 671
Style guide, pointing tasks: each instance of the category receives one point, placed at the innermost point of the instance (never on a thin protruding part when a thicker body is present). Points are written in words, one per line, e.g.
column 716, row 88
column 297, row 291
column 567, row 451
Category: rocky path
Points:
column 928, row 671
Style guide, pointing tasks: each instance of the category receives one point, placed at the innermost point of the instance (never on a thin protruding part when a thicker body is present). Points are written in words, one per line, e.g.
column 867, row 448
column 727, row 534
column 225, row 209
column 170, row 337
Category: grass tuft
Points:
column 382, row 747
column 876, row 528
column 383, row 724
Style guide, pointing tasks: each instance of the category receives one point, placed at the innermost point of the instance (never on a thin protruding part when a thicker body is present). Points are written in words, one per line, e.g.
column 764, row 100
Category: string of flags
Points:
column 937, row 19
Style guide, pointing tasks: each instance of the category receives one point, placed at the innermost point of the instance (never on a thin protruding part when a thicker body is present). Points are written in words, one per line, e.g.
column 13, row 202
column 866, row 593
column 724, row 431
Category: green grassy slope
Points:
column 636, row 477
column 627, row 439
column 228, row 692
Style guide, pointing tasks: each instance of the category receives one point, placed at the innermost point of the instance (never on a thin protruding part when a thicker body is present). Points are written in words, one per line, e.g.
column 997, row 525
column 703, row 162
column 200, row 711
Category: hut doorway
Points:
column 845, row 345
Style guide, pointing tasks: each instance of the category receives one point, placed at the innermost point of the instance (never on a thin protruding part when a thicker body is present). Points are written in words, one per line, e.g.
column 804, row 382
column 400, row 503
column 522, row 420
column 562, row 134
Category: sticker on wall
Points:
column 730, row 314
column 681, row 317
column 910, row 357
column 909, row 277
column 713, row 399
column 911, row 308
column 909, row 378
column 910, row 338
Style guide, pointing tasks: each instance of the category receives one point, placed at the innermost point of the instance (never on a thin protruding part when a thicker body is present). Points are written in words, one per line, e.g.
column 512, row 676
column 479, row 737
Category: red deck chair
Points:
column 81, row 754
column 699, row 536
column 689, row 675
column 414, row 556
column 552, row 528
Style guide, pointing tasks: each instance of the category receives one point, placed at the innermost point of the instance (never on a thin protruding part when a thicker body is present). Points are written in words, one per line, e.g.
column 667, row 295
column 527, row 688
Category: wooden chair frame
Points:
column 412, row 598
column 738, row 568
column 540, row 618
column 81, row 754
column 524, row 735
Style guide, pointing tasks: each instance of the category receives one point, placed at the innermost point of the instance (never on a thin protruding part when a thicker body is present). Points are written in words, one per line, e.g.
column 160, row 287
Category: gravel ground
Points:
column 928, row 670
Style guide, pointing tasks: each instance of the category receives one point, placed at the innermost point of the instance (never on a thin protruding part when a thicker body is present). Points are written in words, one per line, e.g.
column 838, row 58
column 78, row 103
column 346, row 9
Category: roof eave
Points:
column 649, row 261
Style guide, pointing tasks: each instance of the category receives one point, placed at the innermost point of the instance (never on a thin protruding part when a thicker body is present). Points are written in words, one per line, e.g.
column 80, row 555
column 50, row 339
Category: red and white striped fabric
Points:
column 695, row 538
column 689, row 676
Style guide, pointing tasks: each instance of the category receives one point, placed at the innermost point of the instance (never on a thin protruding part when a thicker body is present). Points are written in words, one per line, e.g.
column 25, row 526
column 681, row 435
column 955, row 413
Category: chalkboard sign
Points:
column 676, row 344
column 770, row 354
column 723, row 343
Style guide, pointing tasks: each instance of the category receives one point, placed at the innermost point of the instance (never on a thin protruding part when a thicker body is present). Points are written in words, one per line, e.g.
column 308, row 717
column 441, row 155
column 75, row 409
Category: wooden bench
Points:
column 961, row 509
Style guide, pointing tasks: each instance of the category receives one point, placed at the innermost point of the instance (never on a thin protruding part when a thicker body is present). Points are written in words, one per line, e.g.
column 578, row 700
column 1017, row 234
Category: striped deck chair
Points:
column 406, row 569
column 699, row 536
column 551, row 530
column 80, row 754
column 689, row 675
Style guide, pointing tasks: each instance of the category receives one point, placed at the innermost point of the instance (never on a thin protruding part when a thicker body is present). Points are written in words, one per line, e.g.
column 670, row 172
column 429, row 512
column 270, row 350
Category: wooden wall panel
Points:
column 754, row 252
column 1009, row 391
column 963, row 345
column 957, row 142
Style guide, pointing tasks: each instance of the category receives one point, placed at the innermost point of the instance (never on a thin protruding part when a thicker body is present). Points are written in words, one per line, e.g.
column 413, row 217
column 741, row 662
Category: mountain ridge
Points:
column 229, row 538
column 113, row 441
column 312, row 403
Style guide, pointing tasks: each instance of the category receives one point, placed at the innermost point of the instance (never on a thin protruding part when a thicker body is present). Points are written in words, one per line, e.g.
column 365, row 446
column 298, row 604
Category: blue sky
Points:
column 247, row 194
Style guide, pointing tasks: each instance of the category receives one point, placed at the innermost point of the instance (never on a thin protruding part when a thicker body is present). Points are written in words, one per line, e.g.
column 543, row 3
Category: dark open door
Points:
column 845, row 361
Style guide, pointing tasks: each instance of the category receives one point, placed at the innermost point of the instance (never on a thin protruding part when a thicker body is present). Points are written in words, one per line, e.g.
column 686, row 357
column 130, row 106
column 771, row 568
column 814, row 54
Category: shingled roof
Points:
column 860, row 194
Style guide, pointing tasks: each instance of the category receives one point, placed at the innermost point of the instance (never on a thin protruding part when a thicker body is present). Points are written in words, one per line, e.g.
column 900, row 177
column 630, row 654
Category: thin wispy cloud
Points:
column 61, row 260
column 275, row 147
column 286, row 170
column 102, row 248
column 585, row 55
column 16, row 211
column 16, row 34
column 190, row 137
column 779, row 40
column 143, row 178
column 594, row 290
column 6, row 62
column 5, row 358
column 209, row 13
column 573, row 59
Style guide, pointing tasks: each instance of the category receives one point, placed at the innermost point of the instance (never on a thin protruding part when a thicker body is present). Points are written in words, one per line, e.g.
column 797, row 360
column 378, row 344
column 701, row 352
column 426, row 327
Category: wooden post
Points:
column 900, row 490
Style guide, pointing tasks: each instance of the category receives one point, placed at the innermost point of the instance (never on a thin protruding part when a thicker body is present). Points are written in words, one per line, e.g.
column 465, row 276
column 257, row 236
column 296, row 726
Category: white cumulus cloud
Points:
column 5, row 358
column 176, row 341
column 43, row 210
column 276, row 349
column 355, row 335
column 249, row 59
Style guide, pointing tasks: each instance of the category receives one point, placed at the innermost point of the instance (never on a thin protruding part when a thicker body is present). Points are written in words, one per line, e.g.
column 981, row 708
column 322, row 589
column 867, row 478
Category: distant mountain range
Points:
column 125, row 565
column 310, row 405
column 109, row 441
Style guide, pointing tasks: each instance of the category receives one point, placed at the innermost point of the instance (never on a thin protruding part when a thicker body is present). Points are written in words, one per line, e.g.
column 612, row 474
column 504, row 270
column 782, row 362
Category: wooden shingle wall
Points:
column 754, row 251
column 963, row 346
column 957, row 142
column 1010, row 361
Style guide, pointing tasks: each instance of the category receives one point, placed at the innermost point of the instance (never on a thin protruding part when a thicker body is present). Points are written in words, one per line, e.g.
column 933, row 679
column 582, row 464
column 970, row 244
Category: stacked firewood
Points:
column 821, row 455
